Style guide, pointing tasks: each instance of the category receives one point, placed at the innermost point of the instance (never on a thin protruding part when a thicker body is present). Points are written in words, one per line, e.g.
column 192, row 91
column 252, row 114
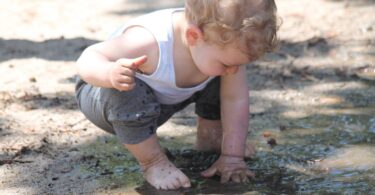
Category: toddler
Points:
column 158, row 63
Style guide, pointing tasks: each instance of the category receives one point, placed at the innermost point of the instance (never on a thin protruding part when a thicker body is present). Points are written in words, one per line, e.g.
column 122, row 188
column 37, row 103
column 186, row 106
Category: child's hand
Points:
column 230, row 169
column 121, row 74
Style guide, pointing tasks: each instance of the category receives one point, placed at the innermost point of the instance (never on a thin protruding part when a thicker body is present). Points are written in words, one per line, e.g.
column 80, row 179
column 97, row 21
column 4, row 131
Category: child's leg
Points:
column 89, row 103
column 133, row 116
column 210, row 134
column 209, row 129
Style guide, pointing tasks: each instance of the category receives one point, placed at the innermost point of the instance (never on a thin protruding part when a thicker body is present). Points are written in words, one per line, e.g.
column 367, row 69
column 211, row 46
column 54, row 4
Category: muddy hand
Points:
column 122, row 72
column 230, row 169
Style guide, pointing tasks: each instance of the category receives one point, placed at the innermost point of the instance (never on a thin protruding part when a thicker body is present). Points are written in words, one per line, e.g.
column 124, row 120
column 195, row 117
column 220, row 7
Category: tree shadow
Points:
column 36, row 100
column 60, row 49
column 4, row 132
column 294, row 65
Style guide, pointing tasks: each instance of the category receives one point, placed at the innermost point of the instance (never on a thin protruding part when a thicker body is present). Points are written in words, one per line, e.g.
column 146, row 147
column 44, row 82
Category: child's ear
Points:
column 193, row 34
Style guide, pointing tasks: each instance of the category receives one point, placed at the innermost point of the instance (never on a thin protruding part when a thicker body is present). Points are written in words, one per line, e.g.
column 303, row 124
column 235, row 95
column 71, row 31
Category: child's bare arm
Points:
column 234, row 112
column 235, row 119
column 113, row 63
column 96, row 69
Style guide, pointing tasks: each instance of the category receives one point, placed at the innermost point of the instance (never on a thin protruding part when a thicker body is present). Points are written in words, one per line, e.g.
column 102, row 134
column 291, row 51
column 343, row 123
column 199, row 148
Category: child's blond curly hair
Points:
column 253, row 23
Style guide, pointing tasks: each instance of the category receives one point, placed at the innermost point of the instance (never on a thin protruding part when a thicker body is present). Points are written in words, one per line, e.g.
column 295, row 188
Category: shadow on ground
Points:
column 60, row 49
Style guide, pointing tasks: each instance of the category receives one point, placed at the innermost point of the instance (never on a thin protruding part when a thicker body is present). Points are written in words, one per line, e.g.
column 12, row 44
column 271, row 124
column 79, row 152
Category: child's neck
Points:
column 187, row 73
column 181, row 47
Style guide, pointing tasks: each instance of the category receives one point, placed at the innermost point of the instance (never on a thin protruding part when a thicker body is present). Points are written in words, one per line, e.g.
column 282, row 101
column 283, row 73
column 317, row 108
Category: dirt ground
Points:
column 44, row 138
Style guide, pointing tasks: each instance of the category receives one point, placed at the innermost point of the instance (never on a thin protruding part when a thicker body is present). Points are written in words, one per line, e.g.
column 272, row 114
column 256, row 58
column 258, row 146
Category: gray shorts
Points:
column 136, row 114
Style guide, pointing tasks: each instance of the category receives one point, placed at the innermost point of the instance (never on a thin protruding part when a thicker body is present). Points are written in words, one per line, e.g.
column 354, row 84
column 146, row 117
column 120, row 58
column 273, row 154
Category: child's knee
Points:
column 133, row 114
column 207, row 104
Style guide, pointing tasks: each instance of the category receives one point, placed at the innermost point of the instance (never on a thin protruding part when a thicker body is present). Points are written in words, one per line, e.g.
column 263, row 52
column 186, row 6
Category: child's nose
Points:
column 231, row 70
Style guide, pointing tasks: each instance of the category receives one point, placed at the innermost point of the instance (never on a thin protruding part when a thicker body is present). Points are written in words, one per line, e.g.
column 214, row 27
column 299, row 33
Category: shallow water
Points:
column 320, row 154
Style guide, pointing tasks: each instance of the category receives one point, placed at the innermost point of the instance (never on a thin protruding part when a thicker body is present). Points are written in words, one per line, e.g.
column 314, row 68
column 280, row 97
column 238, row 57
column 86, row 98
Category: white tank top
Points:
column 163, row 81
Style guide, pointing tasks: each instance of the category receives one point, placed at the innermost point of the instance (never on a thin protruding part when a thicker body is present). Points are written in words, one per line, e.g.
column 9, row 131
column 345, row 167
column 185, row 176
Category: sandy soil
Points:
column 42, row 132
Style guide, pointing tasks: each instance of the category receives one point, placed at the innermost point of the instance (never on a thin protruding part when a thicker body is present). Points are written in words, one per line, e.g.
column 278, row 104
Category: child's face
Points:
column 213, row 60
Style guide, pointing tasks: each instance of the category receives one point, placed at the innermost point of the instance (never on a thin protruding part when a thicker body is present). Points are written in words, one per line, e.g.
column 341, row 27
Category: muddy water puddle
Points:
column 324, row 154
column 321, row 154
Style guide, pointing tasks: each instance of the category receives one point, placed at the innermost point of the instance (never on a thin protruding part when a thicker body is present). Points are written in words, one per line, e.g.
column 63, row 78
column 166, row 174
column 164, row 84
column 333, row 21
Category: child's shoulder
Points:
column 138, row 41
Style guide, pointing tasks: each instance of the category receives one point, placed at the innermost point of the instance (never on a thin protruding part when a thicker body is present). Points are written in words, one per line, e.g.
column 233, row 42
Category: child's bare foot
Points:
column 157, row 169
column 162, row 174
column 210, row 134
